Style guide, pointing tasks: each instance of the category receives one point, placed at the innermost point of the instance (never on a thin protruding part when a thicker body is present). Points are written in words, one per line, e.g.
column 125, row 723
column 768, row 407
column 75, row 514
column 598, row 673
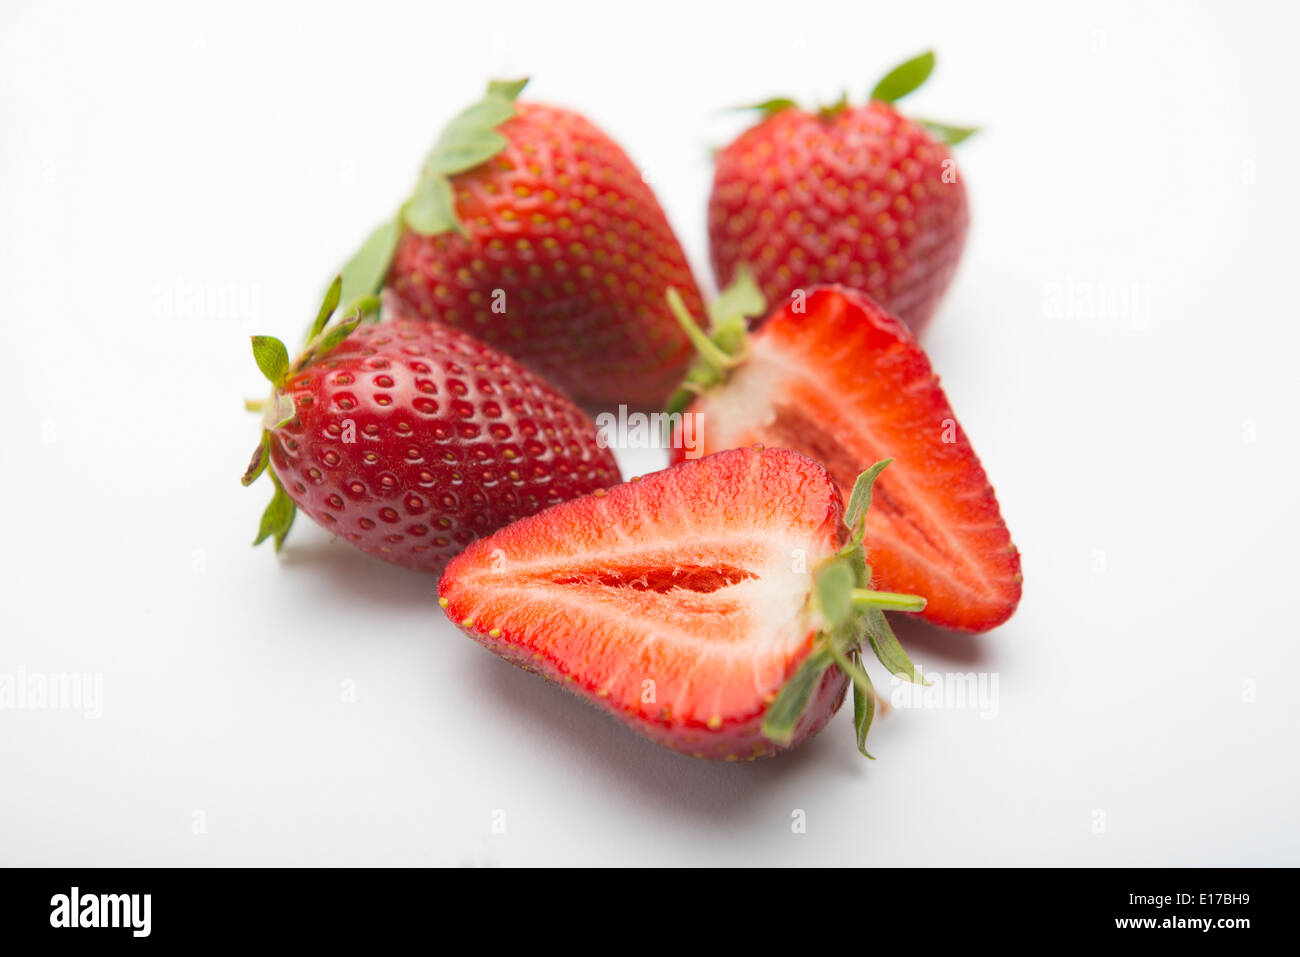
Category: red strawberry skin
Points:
column 858, row 197
column 412, row 440
column 561, row 221
column 688, row 578
column 846, row 383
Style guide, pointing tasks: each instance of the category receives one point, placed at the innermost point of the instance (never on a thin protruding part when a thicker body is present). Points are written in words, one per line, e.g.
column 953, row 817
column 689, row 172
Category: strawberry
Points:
column 716, row 607
column 532, row 230
column 859, row 195
column 410, row 439
column 838, row 378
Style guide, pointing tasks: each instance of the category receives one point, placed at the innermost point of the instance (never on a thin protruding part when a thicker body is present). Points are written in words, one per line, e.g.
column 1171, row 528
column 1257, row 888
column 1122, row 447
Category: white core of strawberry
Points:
column 744, row 403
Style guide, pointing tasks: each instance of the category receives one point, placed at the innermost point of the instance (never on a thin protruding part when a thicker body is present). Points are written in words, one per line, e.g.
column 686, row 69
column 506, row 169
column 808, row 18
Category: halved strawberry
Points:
column 716, row 606
column 838, row 378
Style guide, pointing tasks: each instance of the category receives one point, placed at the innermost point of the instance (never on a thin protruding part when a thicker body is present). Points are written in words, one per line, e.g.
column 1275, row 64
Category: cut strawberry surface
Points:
column 683, row 603
column 845, row 382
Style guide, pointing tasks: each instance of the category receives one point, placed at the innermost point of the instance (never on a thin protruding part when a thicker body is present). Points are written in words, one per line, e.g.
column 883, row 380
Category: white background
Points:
column 1119, row 343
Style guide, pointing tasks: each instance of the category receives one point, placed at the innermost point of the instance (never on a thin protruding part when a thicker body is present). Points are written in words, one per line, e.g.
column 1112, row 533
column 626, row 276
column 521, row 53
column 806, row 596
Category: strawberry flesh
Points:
column 678, row 603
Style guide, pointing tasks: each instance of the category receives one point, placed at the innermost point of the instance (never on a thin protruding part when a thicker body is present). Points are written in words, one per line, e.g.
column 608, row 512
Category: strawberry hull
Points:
column 678, row 603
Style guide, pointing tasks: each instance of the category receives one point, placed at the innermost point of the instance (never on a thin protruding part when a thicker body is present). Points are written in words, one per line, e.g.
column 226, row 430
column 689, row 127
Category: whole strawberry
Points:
column 859, row 195
column 532, row 230
column 411, row 440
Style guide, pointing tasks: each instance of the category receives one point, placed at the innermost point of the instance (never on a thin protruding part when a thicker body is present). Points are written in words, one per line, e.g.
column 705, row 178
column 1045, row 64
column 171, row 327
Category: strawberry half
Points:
column 836, row 377
column 859, row 195
column 716, row 607
column 532, row 230
column 410, row 440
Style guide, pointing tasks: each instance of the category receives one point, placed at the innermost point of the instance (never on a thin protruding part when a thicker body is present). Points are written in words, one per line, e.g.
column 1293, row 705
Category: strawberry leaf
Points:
column 327, row 307
column 857, row 561
column 463, row 141
column 784, row 713
column 468, row 141
column 952, row 135
column 770, row 107
column 864, row 695
column 277, row 518
column 834, row 585
column 431, row 208
column 271, row 357
column 257, row 465
column 885, row 644
column 904, row 79
column 335, row 335
column 864, row 708
column 366, row 271
column 509, row 89
column 860, row 500
column 469, row 148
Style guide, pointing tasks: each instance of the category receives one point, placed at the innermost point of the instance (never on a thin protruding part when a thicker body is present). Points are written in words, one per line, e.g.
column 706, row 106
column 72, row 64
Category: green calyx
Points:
column 893, row 86
column 850, row 611
column 907, row 78
column 904, row 79
column 724, row 345
column 469, row 140
column 272, row 358
column 951, row 135
column 770, row 107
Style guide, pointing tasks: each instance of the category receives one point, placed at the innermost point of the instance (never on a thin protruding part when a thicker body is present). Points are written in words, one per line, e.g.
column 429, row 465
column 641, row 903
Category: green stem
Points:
column 887, row 600
column 709, row 352
column 254, row 405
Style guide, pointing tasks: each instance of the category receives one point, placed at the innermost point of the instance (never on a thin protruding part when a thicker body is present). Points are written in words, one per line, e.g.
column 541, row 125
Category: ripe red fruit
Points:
column 859, row 195
column 716, row 607
column 410, row 440
column 846, row 383
column 532, row 230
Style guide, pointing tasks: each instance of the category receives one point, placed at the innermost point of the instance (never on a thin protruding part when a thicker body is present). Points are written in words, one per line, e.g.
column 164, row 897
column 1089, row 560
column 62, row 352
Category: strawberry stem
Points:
column 886, row 600
column 705, row 346
column 723, row 346
column 254, row 405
